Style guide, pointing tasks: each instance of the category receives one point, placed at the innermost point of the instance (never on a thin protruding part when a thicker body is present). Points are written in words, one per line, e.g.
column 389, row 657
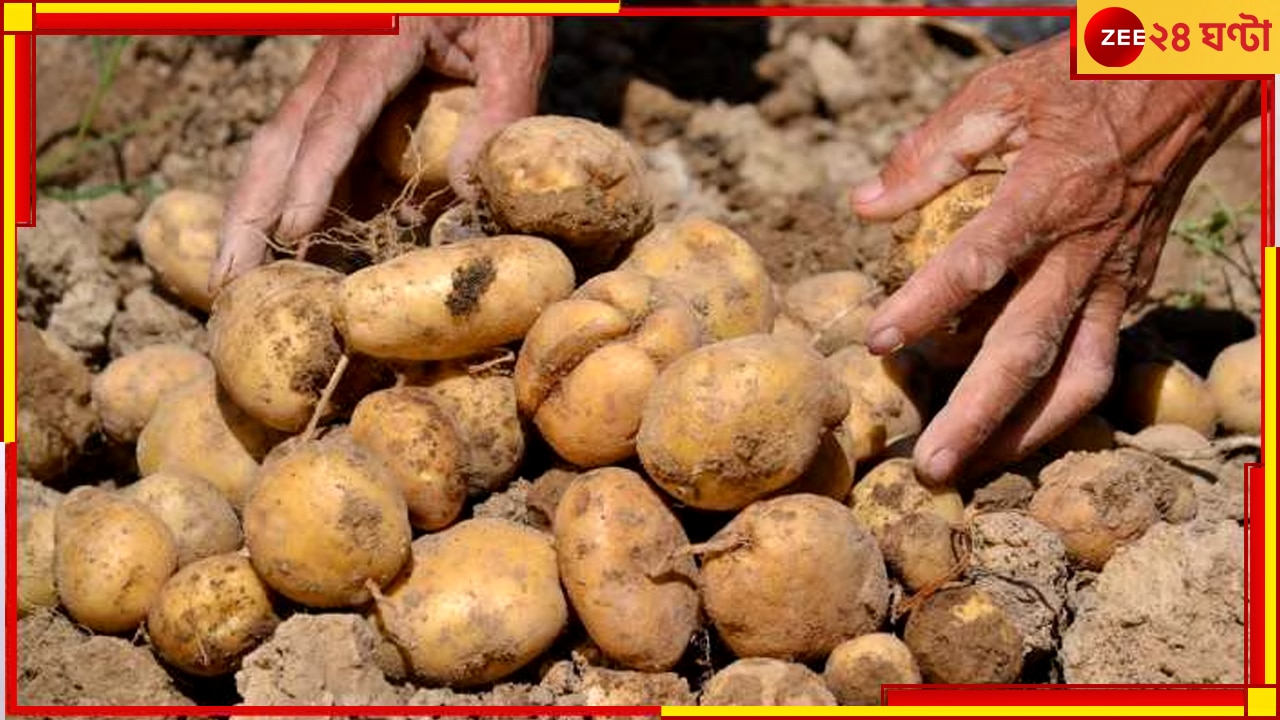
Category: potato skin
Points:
column 1235, row 381
column 178, row 236
column 202, row 520
column 128, row 389
column 452, row 301
column 731, row 422
column 324, row 520
column 613, row 531
column 481, row 601
column 210, row 615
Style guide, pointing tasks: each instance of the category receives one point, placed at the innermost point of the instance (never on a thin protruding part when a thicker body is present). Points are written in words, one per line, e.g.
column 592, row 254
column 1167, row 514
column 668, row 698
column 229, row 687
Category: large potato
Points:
column 734, row 421
column 127, row 390
column 325, row 521
column 1235, row 381
column 718, row 272
column 202, row 520
column 792, row 578
column 888, row 397
column 417, row 131
column 482, row 600
column 111, row 558
column 178, row 236
column 452, row 301
column 615, row 539
column 196, row 429
column 588, row 363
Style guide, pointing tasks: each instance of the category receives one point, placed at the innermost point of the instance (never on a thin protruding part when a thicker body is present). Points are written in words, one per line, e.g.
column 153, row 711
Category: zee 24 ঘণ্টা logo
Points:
column 1115, row 37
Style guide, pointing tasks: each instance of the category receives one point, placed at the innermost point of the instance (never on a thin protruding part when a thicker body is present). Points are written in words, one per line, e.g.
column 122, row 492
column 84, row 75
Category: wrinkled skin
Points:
column 1097, row 171
column 295, row 159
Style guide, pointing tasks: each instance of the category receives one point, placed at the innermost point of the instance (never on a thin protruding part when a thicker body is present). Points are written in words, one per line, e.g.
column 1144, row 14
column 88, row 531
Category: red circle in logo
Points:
column 1110, row 38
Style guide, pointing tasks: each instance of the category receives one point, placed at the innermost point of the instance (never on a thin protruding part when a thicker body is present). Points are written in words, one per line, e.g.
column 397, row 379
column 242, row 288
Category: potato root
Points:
column 126, row 392
column 178, row 236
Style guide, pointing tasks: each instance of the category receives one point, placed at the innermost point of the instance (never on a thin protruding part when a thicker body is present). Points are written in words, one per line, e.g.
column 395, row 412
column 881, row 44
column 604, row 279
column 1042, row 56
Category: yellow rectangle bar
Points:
column 321, row 8
column 1262, row 702
column 1269, row 468
column 10, row 242
column 17, row 17
column 950, row 711
column 1189, row 34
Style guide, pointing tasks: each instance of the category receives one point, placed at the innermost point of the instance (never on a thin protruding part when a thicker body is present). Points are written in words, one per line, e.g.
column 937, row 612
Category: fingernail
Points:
column 888, row 340
column 941, row 465
column 867, row 191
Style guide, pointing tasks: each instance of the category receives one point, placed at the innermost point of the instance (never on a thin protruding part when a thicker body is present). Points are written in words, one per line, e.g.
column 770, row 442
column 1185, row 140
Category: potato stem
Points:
column 323, row 405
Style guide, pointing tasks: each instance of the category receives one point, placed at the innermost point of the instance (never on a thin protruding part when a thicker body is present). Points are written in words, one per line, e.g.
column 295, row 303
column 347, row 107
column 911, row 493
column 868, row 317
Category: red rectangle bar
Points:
column 1084, row 697
column 1255, row 576
column 211, row 23
column 24, row 138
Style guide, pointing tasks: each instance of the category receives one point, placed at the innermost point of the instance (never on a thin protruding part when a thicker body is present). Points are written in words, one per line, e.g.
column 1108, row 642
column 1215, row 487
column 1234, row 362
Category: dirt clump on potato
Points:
column 766, row 681
column 54, row 405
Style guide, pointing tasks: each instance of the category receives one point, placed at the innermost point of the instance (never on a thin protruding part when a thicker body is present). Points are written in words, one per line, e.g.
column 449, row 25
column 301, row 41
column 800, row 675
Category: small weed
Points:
column 1221, row 236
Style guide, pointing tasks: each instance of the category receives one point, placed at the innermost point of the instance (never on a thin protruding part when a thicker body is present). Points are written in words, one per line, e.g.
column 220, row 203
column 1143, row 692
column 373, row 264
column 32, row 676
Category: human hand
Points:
column 295, row 159
column 1096, row 172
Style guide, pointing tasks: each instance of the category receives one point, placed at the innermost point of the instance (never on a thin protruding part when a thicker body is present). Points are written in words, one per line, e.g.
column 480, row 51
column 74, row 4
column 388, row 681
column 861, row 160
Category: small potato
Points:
column 420, row 445
column 1235, row 381
column 793, row 577
column 615, row 539
column 417, row 131
column 920, row 549
column 128, row 389
column 891, row 492
column 324, row 522
column 962, row 636
column 452, row 301
column 210, row 615
column 200, row 517
column 857, row 668
column 833, row 308
column 454, row 225
column 482, row 600
column 888, row 397
column 36, row 587
column 588, row 363
column 759, row 682
column 731, row 422
column 197, row 430
column 574, row 181
column 718, row 272
column 272, row 341
column 1160, row 393
column 178, row 236
column 111, row 558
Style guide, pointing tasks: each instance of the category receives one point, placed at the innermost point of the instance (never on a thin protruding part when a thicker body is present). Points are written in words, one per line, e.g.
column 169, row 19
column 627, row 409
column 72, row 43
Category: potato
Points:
column 616, row 539
column 178, row 236
column 455, row 224
column 734, row 421
column 891, row 492
column 718, row 272
column 792, row 578
column 568, row 179
column 200, row 517
column 210, row 615
column 36, row 586
column 1161, row 393
column 920, row 549
column 857, row 668
column 196, row 429
column 272, row 341
column 128, row 389
column 420, row 445
column 111, row 557
column 452, row 301
column 1235, row 381
column 55, row 416
column 766, row 682
column 833, row 308
column 482, row 600
column 888, row 397
column 588, row 363
column 325, row 521
column 417, row 131
column 832, row 471
column 961, row 636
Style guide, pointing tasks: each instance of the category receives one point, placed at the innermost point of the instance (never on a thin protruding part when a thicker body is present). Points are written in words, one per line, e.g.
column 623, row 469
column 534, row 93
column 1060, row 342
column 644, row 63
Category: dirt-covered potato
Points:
column 55, row 416
column 888, row 397
column 756, row 682
column 210, row 614
column 481, row 601
column 832, row 309
column 196, row 429
column 891, row 492
column 1165, row 392
column 1235, row 381
column 588, row 363
column 417, row 131
column 202, row 520
column 792, row 578
column 571, row 180
column 921, row 549
column 731, row 422
column 962, row 636
column 454, row 225
column 178, row 236
column 111, row 557
column 857, row 668
column 452, row 301
column 36, row 586
column 832, row 471
column 615, row 539
column 420, row 446
column 717, row 271
column 325, row 521
column 127, row 390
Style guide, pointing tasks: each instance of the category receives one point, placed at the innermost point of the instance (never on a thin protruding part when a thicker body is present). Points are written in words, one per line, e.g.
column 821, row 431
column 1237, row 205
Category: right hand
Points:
column 295, row 159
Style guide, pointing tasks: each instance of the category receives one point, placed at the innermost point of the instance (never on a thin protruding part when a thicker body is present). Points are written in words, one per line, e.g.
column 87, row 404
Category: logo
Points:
column 1114, row 37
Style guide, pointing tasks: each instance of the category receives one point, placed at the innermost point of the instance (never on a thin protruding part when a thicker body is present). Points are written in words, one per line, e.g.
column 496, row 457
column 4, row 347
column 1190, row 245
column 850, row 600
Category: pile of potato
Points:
column 327, row 452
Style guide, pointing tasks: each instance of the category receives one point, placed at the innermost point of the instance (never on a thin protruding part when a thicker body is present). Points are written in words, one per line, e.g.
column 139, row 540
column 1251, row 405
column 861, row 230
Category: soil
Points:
column 761, row 124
